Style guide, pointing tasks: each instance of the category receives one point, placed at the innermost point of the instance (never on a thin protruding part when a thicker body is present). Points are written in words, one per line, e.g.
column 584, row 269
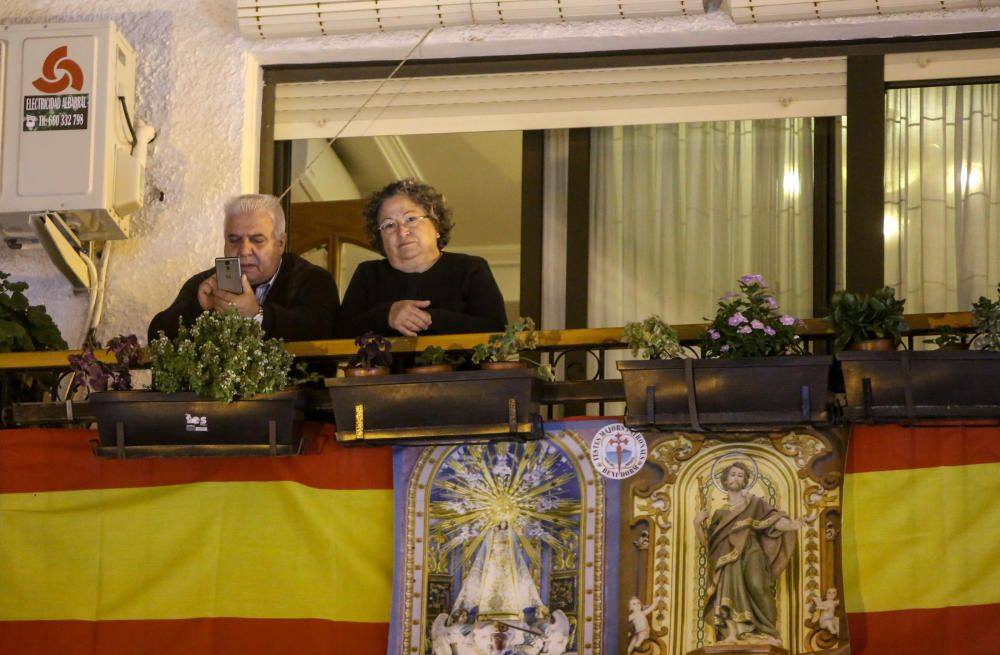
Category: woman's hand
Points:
column 408, row 316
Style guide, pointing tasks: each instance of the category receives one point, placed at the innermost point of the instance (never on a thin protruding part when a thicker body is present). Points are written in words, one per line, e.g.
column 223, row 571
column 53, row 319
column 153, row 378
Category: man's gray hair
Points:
column 253, row 203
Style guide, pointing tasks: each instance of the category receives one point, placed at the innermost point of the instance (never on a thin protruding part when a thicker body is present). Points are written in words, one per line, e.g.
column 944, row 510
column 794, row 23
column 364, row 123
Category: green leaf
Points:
column 24, row 327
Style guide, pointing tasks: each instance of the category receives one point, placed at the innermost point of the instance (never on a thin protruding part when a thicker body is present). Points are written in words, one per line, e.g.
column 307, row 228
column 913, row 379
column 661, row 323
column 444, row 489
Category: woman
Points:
column 417, row 289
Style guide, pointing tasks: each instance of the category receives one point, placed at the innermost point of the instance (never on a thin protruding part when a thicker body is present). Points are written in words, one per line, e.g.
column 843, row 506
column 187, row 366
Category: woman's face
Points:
column 410, row 245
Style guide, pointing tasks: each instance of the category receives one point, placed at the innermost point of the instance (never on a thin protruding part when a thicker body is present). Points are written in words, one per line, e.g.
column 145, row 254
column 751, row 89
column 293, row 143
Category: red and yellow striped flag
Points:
column 200, row 556
column 921, row 541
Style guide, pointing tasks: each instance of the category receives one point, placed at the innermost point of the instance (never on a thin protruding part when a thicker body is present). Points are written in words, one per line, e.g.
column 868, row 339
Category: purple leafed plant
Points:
column 374, row 350
column 98, row 376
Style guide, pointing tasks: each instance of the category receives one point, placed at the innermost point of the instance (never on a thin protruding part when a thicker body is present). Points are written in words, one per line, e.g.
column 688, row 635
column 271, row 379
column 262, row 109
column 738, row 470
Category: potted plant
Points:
column 374, row 356
column 949, row 339
column 867, row 322
column 751, row 372
column 436, row 407
column 652, row 338
column 94, row 375
column 25, row 328
column 218, row 387
column 434, row 359
column 986, row 320
column 943, row 383
column 503, row 351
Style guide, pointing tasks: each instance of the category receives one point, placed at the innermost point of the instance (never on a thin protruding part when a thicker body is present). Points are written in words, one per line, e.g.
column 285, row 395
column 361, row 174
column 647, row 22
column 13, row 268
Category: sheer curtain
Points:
column 679, row 212
column 942, row 195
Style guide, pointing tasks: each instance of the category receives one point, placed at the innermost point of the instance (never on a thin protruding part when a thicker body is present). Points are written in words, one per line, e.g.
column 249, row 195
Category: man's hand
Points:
column 408, row 316
column 206, row 294
column 245, row 303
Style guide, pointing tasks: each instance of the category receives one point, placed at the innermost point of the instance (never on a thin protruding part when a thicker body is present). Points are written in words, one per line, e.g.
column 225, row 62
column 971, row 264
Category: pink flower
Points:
column 745, row 329
column 714, row 334
column 723, row 348
column 738, row 318
column 787, row 320
column 769, row 331
column 757, row 325
column 750, row 279
column 771, row 302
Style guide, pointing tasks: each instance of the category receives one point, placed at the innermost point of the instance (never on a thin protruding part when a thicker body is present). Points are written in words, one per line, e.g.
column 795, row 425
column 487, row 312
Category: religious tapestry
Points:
column 501, row 547
column 599, row 540
column 732, row 542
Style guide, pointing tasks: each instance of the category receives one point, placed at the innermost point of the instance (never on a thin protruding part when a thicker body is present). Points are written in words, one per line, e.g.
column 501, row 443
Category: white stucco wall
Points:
column 198, row 84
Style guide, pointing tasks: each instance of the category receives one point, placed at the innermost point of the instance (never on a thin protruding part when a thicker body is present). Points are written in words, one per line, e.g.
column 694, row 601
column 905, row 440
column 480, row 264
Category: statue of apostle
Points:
column 749, row 544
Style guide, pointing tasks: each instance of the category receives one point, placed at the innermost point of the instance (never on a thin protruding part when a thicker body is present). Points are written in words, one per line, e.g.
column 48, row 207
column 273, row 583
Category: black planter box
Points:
column 154, row 424
column 717, row 394
column 903, row 385
column 426, row 408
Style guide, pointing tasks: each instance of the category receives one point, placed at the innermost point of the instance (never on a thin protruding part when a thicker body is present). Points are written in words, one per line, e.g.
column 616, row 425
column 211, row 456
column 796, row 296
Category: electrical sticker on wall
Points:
column 57, row 112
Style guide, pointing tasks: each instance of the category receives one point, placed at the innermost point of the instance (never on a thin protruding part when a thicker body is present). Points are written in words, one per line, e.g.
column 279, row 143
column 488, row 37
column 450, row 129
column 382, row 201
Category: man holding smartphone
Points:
column 291, row 298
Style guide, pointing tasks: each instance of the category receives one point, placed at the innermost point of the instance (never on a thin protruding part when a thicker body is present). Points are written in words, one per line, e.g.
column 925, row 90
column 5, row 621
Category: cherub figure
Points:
column 827, row 608
column 557, row 633
column 640, row 624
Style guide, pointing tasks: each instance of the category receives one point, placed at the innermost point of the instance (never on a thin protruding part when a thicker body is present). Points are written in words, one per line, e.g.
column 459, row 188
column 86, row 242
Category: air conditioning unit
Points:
column 70, row 145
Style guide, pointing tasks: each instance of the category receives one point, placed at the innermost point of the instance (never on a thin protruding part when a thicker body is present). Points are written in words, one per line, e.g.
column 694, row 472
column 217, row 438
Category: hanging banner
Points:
column 202, row 556
column 921, row 528
column 598, row 539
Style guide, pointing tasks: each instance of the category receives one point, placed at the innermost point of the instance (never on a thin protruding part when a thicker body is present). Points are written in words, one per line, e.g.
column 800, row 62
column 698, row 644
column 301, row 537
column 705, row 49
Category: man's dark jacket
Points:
column 301, row 305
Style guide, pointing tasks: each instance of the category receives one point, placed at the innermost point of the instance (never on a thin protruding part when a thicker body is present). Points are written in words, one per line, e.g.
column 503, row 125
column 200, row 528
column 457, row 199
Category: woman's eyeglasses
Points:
column 391, row 225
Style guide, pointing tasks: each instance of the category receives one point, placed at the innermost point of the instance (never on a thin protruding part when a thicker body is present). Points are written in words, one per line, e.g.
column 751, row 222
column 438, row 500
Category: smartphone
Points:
column 229, row 274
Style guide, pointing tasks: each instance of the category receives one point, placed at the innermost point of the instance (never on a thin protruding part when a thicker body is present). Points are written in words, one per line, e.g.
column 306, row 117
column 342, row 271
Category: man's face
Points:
column 736, row 479
column 251, row 237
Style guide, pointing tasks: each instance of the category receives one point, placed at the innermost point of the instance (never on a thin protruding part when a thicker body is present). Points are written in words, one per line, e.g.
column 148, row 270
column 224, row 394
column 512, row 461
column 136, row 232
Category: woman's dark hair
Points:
column 429, row 198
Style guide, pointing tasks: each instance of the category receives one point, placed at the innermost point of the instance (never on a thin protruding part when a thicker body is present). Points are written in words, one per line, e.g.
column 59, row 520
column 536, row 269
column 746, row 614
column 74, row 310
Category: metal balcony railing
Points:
column 583, row 358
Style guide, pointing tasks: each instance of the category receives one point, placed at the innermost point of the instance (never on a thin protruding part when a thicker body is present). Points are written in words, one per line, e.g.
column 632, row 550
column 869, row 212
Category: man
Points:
column 749, row 544
column 291, row 298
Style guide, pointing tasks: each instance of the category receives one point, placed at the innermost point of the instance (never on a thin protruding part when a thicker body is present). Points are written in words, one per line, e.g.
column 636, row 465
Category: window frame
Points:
column 865, row 157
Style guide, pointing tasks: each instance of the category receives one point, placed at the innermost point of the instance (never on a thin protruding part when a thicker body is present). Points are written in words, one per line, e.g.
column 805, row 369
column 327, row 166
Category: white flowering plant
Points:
column 750, row 324
column 223, row 356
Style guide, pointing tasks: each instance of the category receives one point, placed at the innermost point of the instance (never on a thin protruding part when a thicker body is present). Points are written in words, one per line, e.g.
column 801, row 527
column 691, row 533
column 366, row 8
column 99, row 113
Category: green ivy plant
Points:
column 517, row 336
column 861, row 317
column 223, row 356
column 506, row 347
column 25, row 327
column 986, row 319
column 653, row 338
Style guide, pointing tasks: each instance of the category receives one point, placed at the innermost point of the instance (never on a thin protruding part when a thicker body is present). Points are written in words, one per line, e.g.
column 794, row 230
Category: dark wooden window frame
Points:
column 865, row 155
